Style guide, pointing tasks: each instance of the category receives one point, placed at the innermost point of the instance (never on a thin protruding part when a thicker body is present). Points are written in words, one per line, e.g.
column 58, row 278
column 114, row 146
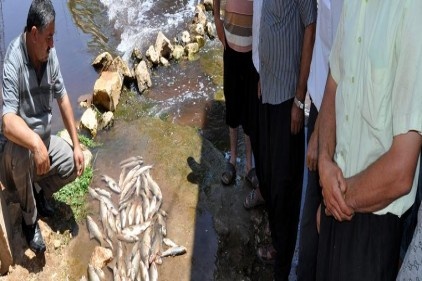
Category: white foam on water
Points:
column 140, row 20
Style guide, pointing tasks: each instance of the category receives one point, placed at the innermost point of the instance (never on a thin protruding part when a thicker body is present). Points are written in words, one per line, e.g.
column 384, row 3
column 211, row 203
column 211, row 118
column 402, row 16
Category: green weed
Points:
column 74, row 194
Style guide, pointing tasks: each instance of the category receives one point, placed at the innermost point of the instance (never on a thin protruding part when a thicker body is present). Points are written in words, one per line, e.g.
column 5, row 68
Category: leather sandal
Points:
column 252, row 178
column 229, row 175
column 253, row 200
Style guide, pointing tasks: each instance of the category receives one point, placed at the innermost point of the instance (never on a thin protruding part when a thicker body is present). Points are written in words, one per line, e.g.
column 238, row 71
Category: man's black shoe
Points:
column 43, row 207
column 34, row 237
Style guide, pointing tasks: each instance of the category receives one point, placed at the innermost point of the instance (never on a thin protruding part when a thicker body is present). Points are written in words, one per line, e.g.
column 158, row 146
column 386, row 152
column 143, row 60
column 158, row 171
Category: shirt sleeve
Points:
column 10, row 86
column 407, row 88
column 308, row 11
column 335, row 54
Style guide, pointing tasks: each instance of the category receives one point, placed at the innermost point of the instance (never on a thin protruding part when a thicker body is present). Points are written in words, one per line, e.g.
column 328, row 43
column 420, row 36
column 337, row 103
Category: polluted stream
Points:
column 177, row 127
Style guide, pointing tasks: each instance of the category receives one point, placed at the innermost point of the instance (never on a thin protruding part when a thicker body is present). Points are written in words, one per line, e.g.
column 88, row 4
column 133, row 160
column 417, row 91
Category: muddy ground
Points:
column 203, row 215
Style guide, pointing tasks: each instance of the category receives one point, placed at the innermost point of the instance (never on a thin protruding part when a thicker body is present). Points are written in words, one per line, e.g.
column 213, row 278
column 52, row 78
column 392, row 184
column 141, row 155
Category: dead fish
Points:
column 129, row 176
column 157, row 243
column 93, row 193
column 103, row 192
column 109, row 243
column 145, row 246
column 153, row 186
column 162, row 222
column 153, row 272
column 135, row 263
column 111, row 183
column 109, row 204
column 127, row 238
column 94, row 230
column 169, row 242
column 174, row 251
column 135, row 230
column 131, row 160
column 151, row 210
column 92, row 274
column 111, row 220
column 103, row 214
column 131, row 213
column 138, row 186
column 145, row 206
column 143, row 271
column 123, row 218
column 118, row 224
column 139, row 216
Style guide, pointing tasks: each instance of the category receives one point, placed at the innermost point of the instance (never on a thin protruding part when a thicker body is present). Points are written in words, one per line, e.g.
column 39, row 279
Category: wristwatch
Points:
column 299, row 104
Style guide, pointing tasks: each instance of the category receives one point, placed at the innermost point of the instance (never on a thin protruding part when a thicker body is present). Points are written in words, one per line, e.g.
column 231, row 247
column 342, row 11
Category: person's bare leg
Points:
column 233, row 133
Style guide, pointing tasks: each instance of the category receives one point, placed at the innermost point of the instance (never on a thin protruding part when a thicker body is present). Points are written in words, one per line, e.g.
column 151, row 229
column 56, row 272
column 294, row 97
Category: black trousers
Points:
column 308, row 241
column 363, row 249
column 281, row 168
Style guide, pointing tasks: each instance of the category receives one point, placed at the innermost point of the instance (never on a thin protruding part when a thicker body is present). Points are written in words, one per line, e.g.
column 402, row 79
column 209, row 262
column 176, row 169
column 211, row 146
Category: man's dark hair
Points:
column 41, row 13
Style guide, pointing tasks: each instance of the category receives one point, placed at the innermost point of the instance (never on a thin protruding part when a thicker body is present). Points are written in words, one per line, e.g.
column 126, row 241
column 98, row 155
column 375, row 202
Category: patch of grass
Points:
column 87, row 141
column 74, row 194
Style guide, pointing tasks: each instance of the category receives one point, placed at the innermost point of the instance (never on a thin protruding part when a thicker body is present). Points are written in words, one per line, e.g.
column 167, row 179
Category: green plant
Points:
column 88, row 142
column 74, row 194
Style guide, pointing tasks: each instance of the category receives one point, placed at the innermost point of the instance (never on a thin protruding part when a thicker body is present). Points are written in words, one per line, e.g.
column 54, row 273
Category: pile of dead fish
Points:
column 135, row 230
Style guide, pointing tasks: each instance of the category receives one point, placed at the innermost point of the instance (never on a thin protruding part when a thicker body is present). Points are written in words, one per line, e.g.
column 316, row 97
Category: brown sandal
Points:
column 229, row 175
column 252, row 178
column 253, row 200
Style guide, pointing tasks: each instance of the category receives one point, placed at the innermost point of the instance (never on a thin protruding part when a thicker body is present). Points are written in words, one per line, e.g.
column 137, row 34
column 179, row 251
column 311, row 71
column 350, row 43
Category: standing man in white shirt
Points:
column 370, row 143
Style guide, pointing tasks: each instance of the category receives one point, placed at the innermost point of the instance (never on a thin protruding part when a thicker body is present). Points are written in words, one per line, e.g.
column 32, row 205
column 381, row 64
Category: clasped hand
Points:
column 334, row 189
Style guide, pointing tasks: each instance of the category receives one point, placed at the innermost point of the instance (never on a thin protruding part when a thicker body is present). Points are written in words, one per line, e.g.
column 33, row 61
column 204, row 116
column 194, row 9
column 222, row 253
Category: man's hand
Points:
column 219, row 26
column 333, row 189
column 79, row 160
column 296, row 119
column 312, row 152
column 41, row 159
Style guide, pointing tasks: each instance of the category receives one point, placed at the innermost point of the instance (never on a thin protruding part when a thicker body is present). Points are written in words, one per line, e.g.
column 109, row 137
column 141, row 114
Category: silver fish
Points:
column 93, row 193
column 131, row 213
column 153, row 272
column 135, row 230
column 103, row 214
column 127, row 238
column 145, row 206
column 111, row 220
column 174, row 251
column 169, row 242
column 118, row 224
column 144, row 271
column 157, row 243
column 123, row 218
column 103, row 192
column 161, row 221
column 94, row 230
column 153, row 186
column 152, row 208
column 131, row 160
column 139, row 216
column 135, row 265
column 92, row 274
column 145, row 246
column 109, row 204
column 129, row 176
column 111, row 183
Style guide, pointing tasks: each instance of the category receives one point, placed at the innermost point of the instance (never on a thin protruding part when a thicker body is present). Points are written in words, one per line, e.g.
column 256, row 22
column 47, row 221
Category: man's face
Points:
column 44, row 42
